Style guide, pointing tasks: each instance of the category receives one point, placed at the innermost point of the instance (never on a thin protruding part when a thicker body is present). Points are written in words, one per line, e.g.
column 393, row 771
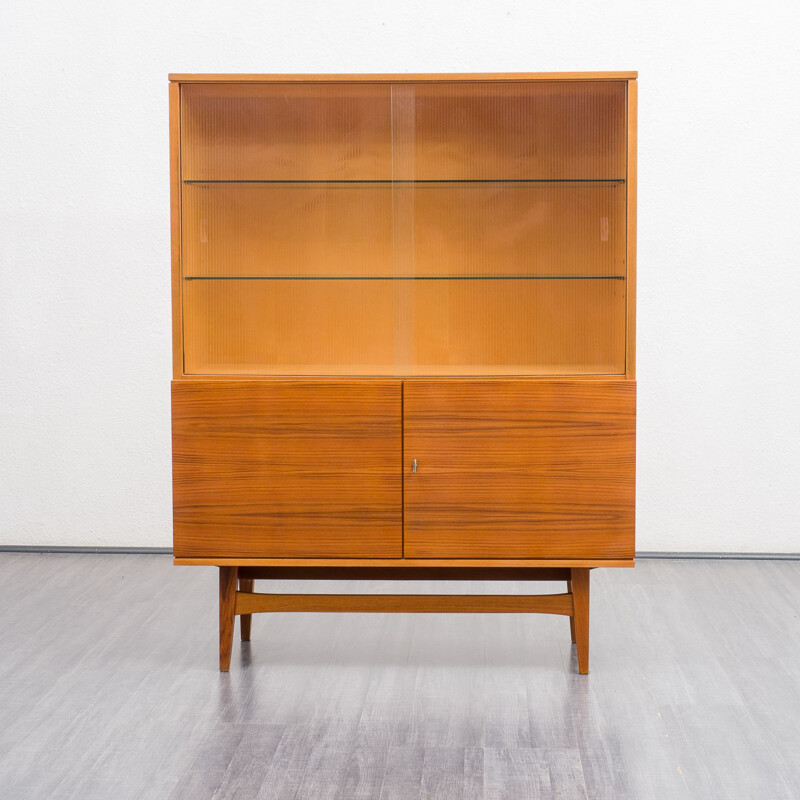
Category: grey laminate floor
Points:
column 109, row 689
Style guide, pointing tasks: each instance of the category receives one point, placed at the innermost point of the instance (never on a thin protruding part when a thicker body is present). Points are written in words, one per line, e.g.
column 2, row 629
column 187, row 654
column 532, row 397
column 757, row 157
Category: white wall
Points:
column 84, row 238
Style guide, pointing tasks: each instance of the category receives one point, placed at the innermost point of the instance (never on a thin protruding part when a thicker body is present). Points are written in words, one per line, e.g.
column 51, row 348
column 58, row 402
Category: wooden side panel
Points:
column 287, row 469
column 633, row 95
column 517, row 469
column 175, row 226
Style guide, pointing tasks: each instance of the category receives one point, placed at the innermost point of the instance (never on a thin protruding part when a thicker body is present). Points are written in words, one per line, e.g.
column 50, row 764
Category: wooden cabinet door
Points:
column 519, row 469
column 287, row 468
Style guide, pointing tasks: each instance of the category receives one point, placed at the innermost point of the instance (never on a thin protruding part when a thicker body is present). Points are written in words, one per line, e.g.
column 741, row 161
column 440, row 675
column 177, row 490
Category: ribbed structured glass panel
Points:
column 287, row 229
column 496, row 229
column 515, row 209
column 289, row 327
column 518, row 130
column 274, row 131
column 517, row 327
column 452, row 228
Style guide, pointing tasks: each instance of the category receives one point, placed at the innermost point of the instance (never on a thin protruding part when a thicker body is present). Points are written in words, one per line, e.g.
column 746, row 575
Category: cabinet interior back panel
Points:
column 404, row 229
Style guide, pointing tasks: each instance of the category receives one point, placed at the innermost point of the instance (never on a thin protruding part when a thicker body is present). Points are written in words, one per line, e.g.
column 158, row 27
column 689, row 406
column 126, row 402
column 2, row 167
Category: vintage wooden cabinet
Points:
column 403, row 335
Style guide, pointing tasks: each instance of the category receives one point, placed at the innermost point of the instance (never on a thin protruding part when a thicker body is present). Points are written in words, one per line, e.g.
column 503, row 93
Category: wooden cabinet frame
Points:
column 223, row 491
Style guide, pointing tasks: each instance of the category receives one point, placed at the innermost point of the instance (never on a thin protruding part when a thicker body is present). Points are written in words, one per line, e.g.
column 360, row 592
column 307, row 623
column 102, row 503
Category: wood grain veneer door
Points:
column 287, row 468
column 519, row 469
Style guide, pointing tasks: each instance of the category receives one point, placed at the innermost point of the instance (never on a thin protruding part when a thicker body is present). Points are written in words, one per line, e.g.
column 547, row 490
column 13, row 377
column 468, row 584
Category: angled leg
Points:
column 245, row 620
column 580, row 601
column 571, row 616
column 227, row 606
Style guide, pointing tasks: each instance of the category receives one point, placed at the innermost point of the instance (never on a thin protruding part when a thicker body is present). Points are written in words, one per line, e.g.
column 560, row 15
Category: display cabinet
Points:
column 403, row 335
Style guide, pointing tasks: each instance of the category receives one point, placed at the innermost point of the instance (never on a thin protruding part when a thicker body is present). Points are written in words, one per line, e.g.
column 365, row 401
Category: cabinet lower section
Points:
column 408, row 470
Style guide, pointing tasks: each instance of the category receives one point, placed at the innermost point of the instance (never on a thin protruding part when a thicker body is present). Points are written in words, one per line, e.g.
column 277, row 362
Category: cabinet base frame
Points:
column 236, row 597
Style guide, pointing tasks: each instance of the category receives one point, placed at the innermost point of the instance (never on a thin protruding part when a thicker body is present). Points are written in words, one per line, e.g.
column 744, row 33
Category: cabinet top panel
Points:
column 404, row 77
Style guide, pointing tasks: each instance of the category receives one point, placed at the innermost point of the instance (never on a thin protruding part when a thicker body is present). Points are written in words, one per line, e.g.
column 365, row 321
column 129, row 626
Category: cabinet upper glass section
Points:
column 438, row 228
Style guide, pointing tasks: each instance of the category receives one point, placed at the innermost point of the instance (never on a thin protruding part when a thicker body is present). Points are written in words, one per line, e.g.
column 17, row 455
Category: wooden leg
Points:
column 571, row 616
column 580, row 601
column 236, row 594
column 245, row 620
column 227, row 605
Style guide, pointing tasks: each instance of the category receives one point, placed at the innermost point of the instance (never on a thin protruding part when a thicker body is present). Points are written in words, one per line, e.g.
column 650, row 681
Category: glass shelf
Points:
column 404, row 278
column 420, row 181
